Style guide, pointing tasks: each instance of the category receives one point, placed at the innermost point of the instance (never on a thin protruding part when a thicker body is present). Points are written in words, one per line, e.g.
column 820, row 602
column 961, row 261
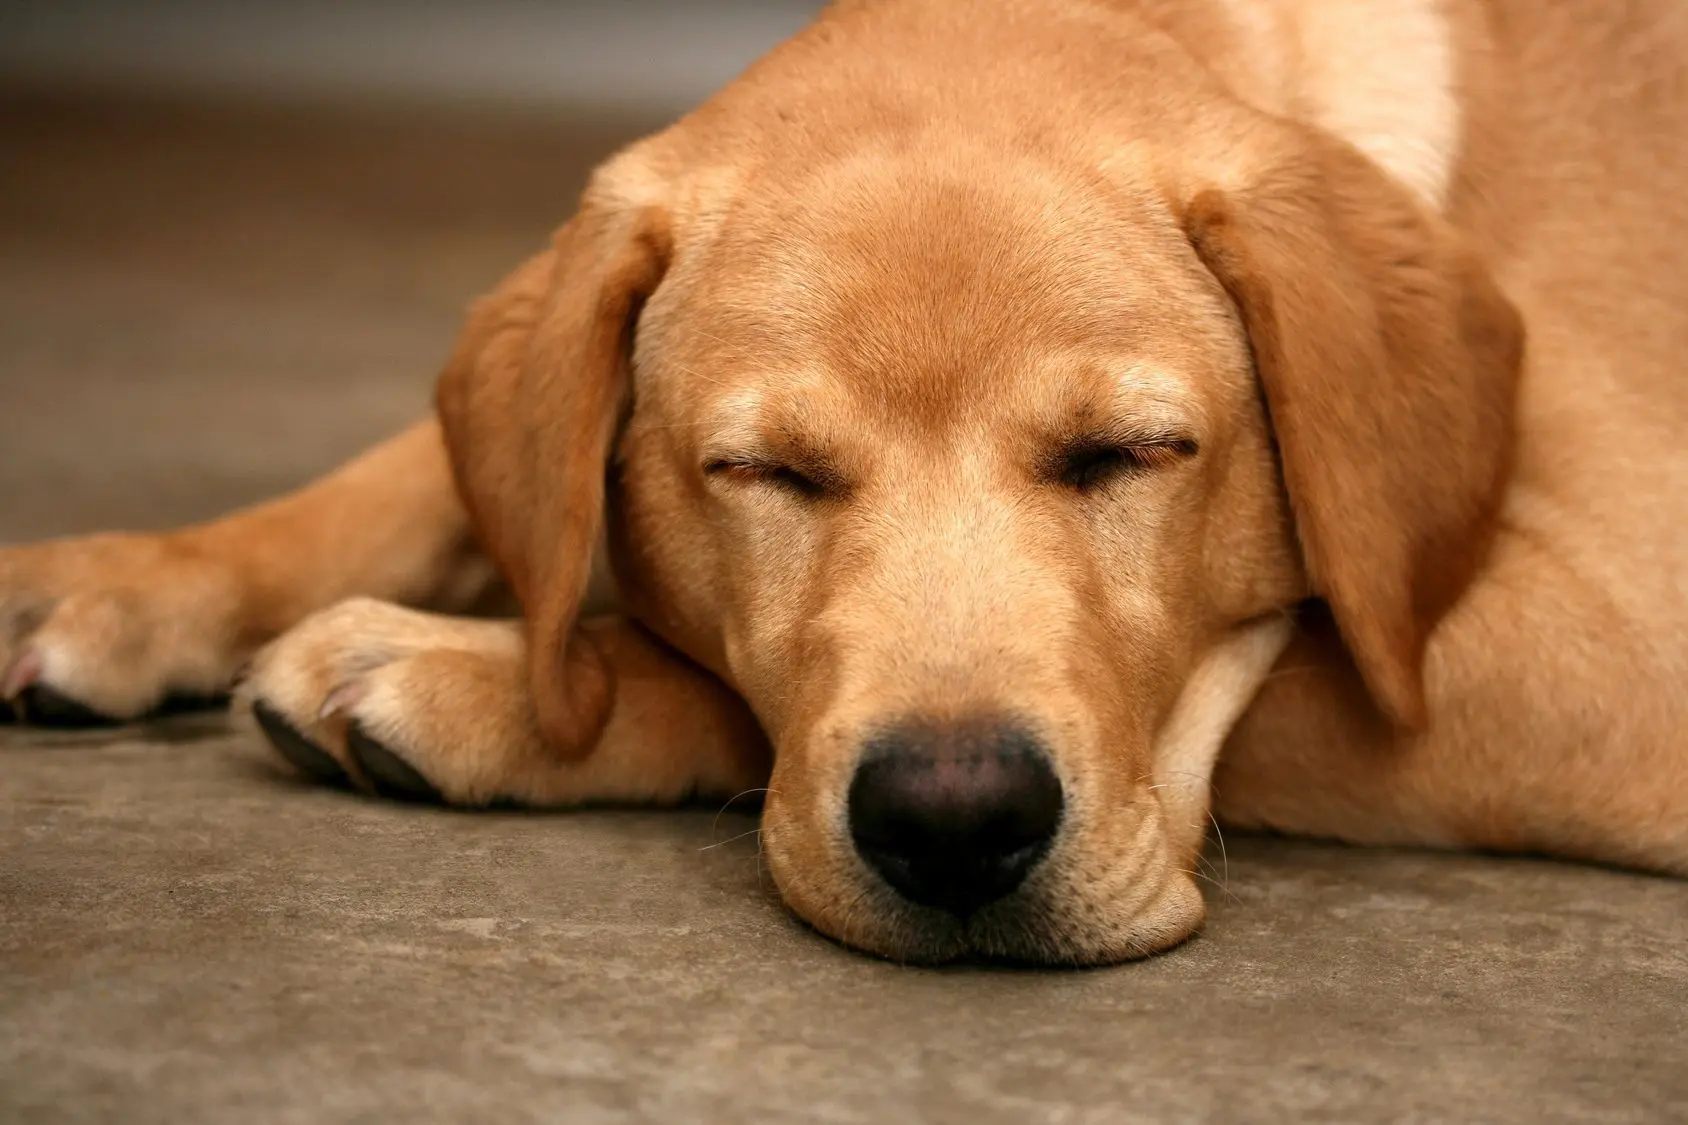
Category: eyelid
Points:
column 713, row 465
column 1092, row 460
column 1131, row 435
column 730, row 463
column 1170, row 444
column 1160, row 450
column 812, row 482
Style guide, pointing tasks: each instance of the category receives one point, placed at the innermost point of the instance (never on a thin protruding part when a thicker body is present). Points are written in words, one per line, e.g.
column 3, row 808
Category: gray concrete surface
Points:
column 197, row 309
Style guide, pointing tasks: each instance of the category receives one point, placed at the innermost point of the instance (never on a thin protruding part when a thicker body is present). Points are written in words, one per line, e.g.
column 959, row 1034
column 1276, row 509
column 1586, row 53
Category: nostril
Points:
column 954, row 817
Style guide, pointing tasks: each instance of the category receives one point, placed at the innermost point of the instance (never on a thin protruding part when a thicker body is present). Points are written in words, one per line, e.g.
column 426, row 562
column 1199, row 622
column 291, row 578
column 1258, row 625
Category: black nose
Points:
column 954, row 816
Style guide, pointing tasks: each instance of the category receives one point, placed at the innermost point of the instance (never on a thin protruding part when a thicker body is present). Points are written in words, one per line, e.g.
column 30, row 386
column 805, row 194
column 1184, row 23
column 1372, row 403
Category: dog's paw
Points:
column 404, row 704
column 109, row 627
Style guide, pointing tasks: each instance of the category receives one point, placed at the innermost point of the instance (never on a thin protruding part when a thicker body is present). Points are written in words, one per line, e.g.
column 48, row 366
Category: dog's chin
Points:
column 1033, row 928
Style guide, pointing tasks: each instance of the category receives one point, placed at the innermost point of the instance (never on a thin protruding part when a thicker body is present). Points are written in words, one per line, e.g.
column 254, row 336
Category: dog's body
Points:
column 941, row 440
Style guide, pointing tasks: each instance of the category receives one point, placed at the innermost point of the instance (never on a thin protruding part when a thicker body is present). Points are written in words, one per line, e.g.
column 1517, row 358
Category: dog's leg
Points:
column 1568, row 744
column 421, row 706
column 112, row 625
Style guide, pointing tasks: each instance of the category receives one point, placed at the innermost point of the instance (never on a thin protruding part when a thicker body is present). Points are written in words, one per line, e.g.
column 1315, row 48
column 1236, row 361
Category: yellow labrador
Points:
column 1015, row 428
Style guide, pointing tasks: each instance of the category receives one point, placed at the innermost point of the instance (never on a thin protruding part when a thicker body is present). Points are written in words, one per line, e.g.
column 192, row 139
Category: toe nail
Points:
column 391, row 775
column 341, row 699
column 306, row 756
column 42, row 706
column 25, row 670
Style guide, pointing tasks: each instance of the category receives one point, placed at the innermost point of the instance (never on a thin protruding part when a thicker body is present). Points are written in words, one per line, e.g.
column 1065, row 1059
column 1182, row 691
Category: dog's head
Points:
column 983, row 444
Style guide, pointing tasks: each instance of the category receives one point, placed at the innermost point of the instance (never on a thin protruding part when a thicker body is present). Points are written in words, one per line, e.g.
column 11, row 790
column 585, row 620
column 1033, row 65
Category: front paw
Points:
column 402, row 704
column 110, row 627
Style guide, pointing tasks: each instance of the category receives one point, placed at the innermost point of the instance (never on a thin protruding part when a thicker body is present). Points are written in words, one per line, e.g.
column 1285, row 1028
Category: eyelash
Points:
column 1089, row 467
column 792, row 480
column 1084, row 468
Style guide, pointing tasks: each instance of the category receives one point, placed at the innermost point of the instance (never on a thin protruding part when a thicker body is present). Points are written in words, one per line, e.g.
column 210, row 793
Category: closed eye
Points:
column 791, row 479
column 1089, row 465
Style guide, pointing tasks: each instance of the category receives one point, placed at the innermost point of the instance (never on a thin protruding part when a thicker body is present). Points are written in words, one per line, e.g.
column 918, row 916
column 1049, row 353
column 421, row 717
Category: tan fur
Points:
column 366, row 664
column 1386, row 310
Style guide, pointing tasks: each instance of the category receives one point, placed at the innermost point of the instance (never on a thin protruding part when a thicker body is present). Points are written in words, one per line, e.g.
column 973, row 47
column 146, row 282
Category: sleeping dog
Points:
column 1017, row 431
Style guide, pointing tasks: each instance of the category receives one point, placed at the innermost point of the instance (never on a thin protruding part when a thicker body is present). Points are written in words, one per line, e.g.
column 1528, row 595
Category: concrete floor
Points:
column 198, row 309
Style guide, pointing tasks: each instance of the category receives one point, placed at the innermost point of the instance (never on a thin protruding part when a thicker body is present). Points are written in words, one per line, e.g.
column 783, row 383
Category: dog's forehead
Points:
column 931, row 199
column 949, row 233
column 915, row 276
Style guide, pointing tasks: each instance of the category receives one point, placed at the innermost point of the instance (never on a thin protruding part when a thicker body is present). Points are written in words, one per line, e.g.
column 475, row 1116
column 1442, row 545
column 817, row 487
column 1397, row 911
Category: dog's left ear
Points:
column 530, row 402
column 1389, row 361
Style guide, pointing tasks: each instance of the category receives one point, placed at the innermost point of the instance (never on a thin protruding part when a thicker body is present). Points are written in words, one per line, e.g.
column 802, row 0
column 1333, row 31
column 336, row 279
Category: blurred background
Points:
column 236, row 236
column 659, row 55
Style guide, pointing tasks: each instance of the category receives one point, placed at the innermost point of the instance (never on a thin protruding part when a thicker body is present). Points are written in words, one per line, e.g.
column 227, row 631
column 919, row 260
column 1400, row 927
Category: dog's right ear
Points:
column 529, row 402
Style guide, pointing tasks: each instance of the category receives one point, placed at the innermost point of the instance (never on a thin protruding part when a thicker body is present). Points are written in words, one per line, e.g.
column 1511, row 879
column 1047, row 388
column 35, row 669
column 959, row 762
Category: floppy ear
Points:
column 530, row 401
column 1389, row 362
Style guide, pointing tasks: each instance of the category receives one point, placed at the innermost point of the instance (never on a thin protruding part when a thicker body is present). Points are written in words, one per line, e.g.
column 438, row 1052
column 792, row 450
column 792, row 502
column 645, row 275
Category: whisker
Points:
column 716, row 823
column 1224, row 856
column 1224, row 890
column 730, row 839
